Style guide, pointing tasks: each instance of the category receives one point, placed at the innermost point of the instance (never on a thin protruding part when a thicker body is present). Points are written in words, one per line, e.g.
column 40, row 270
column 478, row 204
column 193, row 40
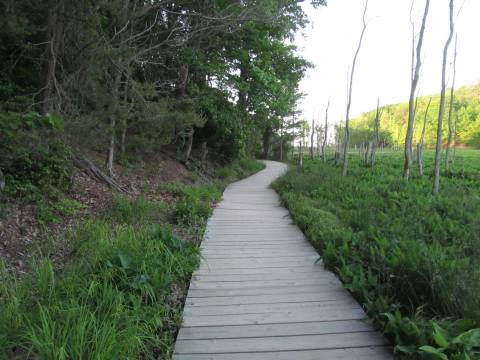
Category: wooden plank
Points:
column 232, row 285
column 278, row 270
column 346, row 303
column 315, row 295
column 282, row 343
column 259, row 291
column 285, row 329
column 275, row 318
column 362, row 353
column 262, row 277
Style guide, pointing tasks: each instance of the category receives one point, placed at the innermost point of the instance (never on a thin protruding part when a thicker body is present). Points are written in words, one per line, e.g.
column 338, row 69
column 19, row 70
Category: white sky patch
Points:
column 384, row 64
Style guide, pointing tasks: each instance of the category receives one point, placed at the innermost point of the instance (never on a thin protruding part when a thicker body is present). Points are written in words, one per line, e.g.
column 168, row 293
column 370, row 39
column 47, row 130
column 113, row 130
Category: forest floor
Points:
column 92, row 272
column 23, row 222
column 412, row 259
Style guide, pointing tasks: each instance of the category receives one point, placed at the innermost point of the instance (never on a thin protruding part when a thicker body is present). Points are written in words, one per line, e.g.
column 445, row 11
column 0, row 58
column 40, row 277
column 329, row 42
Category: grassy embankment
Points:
column 411, row 259
column 121, row 294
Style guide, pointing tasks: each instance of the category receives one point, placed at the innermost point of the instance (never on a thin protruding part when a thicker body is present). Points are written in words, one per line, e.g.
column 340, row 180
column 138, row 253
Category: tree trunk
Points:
column 376, row 139
column 325, row 133
column 422, row 140
column 411, row 103
column 123, row 136
column 55, row 29
column 448, row 159
column 113, row 121
column 203, row 156
column 441, row 110
column 281, row 141
column 267, row 134
column 454, row 141
column 349, row 101
column 312, row 139
column 300, row 154
column 2, row 181
column 188, row 150
column 420, row 158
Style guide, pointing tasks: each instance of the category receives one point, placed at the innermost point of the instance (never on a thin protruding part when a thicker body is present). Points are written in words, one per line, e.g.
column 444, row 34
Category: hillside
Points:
column 394, row 120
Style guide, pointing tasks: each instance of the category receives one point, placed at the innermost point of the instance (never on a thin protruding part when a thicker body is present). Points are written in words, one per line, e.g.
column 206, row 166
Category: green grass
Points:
column 240, row 169
column 121, row 293
column 115, row 300
column 412, row 259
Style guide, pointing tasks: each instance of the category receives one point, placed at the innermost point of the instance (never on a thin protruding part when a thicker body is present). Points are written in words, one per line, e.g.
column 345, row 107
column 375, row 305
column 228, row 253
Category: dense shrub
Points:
column 32, row 157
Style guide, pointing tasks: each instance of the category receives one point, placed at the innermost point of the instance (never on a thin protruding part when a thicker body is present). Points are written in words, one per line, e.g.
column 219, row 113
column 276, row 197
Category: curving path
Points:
column 258, row 293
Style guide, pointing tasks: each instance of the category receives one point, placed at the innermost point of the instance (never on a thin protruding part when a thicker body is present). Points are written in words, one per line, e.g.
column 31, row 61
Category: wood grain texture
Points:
column 261, row 291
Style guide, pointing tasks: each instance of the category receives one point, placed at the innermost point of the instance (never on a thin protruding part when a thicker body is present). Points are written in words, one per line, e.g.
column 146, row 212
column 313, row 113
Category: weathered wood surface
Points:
column 261, row 293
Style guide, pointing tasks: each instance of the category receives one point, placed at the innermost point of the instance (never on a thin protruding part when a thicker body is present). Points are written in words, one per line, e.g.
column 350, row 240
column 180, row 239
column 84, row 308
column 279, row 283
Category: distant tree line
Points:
column 466, row 121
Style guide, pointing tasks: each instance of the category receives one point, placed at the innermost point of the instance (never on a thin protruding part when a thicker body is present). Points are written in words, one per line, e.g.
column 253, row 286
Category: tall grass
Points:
column 412, row 259
column 120, row 298
column 121, row 294
column 240, row 168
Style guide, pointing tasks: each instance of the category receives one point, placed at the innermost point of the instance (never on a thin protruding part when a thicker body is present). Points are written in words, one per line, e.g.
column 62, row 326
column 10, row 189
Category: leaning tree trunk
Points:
column 411, row 103
column 349, row 101
column 448, row 159
column 441, row 110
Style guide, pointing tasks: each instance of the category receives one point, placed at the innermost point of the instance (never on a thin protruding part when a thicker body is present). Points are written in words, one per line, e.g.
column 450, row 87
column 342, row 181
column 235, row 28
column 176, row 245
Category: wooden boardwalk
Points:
column 258, row 293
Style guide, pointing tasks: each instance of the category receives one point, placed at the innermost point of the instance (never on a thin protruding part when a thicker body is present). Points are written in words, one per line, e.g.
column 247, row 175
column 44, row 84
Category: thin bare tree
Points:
column 441, row 110
column 420, row 145
column 325, row 132
column 415, row 75
column 312, row 139
column 376, row 136
column 448, row 158
column 349, row 98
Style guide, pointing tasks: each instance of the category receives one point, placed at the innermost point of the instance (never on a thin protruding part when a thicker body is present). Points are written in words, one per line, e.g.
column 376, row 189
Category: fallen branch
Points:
column 94, row 172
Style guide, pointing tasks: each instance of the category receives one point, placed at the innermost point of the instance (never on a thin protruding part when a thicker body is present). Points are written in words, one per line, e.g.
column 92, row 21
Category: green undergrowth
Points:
column 121, row 294
column 412, row 259
column 239, row 169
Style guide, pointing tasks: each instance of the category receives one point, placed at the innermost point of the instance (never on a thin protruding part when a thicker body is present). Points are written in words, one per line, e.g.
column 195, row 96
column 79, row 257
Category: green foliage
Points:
column 53, row 212
column 411, row 258
column 394, row 117
column 32, row 159
column 156, row 83
column 239, row 169
column 115, row 300
column 136, row 212
column 195, row 204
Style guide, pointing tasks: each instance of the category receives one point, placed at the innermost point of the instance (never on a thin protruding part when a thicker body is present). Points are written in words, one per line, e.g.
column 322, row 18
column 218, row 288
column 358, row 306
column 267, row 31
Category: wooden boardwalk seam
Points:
column 260, row 293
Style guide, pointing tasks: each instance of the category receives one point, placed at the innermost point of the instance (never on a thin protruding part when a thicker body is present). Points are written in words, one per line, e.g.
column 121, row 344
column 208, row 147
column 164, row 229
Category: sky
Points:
column 384, row 63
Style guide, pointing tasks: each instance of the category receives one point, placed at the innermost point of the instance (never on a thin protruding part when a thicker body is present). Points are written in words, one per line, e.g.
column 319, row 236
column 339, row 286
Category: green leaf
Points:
column 440, row 336
column 433, row 351
column 470, row 338
column 125, row 261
